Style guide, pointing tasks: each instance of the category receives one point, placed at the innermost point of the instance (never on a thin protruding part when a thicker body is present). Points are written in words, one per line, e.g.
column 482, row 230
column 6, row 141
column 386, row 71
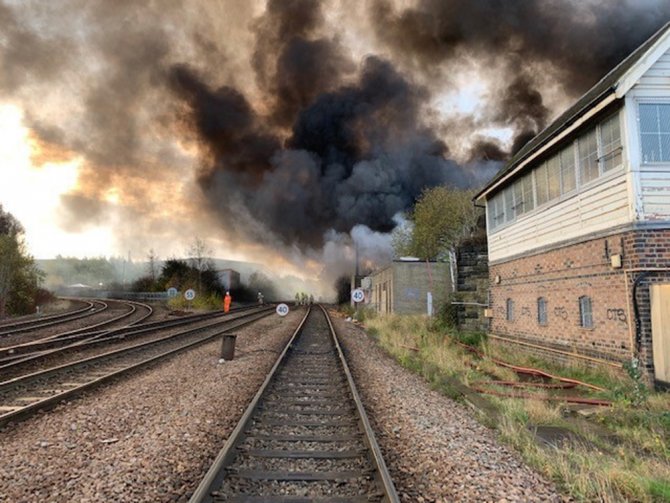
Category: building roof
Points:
column 605, row 87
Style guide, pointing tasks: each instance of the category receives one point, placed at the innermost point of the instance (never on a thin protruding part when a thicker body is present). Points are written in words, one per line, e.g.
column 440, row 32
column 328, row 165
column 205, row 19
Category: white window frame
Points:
column 647, row 101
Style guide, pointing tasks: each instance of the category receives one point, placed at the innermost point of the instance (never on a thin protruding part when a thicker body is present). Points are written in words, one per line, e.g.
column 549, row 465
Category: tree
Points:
column 19, row 276
column 152, row 265
column 199, row 260
column 442, row 217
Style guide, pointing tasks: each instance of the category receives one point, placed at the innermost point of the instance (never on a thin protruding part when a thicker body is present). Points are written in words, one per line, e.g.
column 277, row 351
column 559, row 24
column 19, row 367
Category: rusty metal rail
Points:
column 305, row 436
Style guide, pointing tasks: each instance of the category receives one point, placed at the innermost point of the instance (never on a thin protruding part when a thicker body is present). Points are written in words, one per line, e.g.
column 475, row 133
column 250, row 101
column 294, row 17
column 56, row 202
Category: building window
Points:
column 523, row 195
column 588, row 157
column 655, row 132
column 510, row 310
column 568, row 176
column 585, row 312
column 610, row 143
column 542, row 311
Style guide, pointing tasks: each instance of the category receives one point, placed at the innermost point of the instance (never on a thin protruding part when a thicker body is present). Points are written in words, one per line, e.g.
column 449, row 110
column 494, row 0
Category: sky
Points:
column 280, row 132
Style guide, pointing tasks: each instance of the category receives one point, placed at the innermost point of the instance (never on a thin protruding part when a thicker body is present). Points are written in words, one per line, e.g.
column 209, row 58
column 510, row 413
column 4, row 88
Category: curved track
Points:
column 26, row 394
column 92, row 307
column 305, row 436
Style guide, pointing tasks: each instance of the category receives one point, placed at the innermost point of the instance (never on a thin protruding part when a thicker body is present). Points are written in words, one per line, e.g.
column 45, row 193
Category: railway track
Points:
column 24, row 395
column 305, row 436
column 92, row 307
column 134, row 313
column 11, row 356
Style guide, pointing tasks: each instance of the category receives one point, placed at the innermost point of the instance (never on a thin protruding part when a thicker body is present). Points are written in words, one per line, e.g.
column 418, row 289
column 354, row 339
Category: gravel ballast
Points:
column 148, row 437
column 433, row 446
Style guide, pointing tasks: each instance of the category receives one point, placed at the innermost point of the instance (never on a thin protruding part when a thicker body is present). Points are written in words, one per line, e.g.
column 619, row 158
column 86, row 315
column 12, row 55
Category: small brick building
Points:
column 578, row 225
column 402, row 287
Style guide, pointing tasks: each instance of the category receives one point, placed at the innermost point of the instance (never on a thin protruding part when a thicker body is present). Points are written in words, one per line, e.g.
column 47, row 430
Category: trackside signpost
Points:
column 189, row 295
column 282, row 309
column 357, row 296
column 172, row 292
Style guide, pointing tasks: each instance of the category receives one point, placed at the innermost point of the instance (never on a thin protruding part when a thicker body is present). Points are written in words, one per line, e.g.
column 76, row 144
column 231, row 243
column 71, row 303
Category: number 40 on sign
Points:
column 358, row 295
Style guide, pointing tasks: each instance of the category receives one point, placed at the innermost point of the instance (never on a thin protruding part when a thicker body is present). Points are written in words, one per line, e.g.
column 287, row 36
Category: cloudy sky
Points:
column 277, row 130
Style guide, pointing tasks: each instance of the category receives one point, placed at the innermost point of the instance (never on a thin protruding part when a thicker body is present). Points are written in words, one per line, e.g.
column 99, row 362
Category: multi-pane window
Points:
column 593, row 154
column 610, row 139
column 568, row 176
column 508, row 197
column 523, row 195
column 510, row 310
column 655, row 132
column 553, row 178
column 585, row 312
column 541, row 184
column 542, row 311
column 587, row 146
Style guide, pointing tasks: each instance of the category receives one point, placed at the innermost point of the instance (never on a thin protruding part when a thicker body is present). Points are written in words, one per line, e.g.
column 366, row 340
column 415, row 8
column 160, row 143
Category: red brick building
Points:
column 578, row 225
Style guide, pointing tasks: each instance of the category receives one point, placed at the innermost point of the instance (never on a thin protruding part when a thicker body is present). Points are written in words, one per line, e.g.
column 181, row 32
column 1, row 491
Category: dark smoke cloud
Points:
column 355, row 155
column 297, row 138
column 571, row 42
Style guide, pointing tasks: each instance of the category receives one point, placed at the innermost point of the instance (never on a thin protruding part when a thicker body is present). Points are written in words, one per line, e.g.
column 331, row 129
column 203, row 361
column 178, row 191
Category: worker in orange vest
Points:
column 226, row 302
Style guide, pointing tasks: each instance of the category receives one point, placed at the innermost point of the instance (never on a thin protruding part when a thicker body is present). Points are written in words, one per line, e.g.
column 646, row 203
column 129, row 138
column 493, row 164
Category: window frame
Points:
column 520, row 209
column 586, row 316
column 656, row 101
column 542, row 305
column 509, row 309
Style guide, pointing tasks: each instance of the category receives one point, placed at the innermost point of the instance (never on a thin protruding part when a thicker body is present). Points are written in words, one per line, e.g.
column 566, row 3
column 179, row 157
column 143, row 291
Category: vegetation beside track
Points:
column 617, row 453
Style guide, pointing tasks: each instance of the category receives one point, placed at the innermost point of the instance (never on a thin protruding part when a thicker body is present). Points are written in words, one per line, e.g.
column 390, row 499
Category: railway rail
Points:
column 24, row 395
column 12, row 356
column 305, row 436
column 92, row 307
column 136, row 313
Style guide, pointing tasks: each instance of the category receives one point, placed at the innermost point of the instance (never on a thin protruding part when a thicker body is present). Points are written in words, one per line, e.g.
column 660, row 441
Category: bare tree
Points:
column 152, row 264
column 199, row 258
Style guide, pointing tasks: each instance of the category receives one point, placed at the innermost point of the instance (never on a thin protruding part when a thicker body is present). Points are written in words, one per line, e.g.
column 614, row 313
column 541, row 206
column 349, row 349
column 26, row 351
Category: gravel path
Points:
column 434, row 447
column 148, row 437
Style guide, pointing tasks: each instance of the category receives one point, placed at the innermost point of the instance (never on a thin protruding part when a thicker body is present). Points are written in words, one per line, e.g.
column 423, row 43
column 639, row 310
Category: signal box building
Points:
column 578, row 225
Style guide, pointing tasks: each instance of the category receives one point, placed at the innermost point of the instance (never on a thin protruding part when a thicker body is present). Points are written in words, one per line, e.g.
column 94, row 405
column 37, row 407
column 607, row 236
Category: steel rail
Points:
column 50, row 323
column 43, row 347
column 96, row 341
column 20, row 413
column 208, row 490
column 35, row 319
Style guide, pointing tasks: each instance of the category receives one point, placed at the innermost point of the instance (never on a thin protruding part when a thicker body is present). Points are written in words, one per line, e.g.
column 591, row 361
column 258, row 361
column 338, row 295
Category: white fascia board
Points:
column 643, row 64
column 566, row 132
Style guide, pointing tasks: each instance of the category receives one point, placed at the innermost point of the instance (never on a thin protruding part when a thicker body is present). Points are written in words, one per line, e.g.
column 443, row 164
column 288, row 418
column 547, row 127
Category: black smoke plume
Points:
column 299, row 135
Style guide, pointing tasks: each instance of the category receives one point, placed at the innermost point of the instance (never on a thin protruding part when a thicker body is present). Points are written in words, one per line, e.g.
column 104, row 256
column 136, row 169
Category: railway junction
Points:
column 309, row 409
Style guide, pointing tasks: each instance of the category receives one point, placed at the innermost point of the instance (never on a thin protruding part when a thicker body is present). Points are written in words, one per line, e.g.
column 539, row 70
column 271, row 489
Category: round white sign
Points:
column 172, row 292
column 282, row 309
column 358, row 295
column 189, row 294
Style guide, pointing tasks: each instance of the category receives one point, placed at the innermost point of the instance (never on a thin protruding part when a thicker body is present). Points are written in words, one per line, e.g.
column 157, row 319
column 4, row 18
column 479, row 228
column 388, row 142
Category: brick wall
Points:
column 562, row 276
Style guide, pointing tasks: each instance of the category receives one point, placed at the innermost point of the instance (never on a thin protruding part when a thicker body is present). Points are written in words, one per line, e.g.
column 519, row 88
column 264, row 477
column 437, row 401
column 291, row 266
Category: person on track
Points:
column 260, row 299
column 226, row 302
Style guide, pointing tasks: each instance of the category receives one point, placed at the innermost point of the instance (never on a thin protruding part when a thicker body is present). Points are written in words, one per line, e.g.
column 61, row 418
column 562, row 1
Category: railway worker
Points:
column 226, row 302
column 260, row 299
column 311, row 299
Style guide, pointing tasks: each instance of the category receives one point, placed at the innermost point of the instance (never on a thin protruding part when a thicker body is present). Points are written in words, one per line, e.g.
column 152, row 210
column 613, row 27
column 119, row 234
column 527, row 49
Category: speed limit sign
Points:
column 189, row 294
column 358, row 295
column 282, row 309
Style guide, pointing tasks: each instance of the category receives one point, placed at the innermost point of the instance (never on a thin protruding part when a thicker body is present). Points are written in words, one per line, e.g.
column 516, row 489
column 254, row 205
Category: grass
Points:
column 625, row 455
